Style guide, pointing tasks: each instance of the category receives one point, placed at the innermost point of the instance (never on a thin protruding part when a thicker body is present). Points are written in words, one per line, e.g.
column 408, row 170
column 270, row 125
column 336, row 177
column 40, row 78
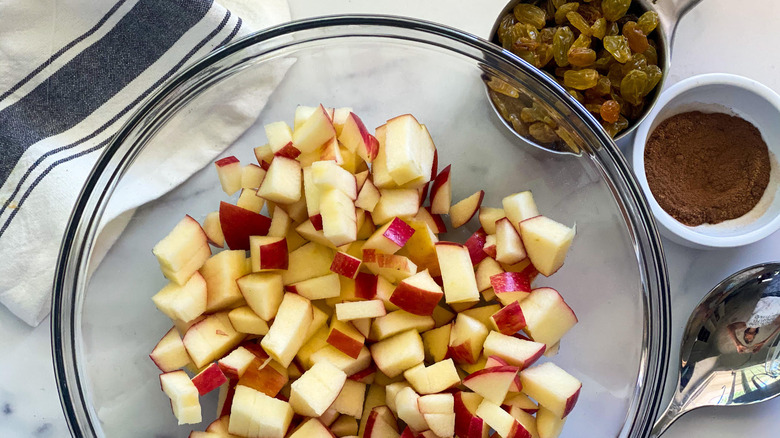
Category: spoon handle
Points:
column 670, row 415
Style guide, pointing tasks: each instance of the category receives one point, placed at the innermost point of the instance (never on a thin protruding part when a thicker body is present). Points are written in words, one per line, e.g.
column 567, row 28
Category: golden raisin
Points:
column 636, row 38
column 610, row 111
column 581, row 56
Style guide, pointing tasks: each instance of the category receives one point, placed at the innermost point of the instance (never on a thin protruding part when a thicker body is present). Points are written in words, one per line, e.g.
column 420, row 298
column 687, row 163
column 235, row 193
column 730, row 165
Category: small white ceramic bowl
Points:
column 730, row 94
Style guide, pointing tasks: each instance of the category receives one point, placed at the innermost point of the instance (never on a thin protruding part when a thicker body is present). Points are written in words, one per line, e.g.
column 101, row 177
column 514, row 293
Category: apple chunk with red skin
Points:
column 475, row 245
column 518, row 352
column 552, row 387
column 547, row 316
column 268, row 253
column 381, row 423
column 229, row 173
column 235, row 364
column 315, row 131
column 282, row 182
column 345, row 337
column 209, row 379
column 346, row 265
column 182, row 251
column 356, row 138
column 492, row 383
column 418, row 294
column 169, row 354
column 463, row 211
column 466, row 339
column 510, row 287
column 239, row 223
column 467, row 424
column 433, row 379
column 210, row 339
column 441, row 192
column 509, row 320
column 390, row 237
column 509, row 247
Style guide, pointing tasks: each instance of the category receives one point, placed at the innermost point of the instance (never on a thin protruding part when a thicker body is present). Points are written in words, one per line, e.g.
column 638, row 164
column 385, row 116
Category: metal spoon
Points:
column 730, row 354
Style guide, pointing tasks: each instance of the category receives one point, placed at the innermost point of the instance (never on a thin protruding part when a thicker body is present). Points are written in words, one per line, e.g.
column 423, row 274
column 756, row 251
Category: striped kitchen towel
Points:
column 71, row 73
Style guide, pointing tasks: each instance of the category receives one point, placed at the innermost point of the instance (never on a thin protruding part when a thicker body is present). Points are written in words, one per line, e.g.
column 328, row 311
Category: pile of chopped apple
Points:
column 339, row 312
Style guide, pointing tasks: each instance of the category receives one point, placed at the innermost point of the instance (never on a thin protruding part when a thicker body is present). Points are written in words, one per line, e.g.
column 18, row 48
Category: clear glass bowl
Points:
column 104, row 324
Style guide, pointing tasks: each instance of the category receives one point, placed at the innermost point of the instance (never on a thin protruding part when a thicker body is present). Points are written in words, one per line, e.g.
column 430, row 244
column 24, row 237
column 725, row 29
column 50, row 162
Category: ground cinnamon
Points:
column 706, row 167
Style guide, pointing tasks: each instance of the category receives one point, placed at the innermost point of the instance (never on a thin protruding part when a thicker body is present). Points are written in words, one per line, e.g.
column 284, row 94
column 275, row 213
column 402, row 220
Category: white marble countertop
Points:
column 717, row 36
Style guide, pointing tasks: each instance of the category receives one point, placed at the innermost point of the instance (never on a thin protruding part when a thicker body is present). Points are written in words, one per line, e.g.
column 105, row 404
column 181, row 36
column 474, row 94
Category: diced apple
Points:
column 403, row 139
column 345, row 337
column 316, row 389
column 488, row 217
column 213, row 229
column 315, row 131
column 466, row 339
column 441, row 424
column 457, row 273
column 286, row 334
column 464, row 210
column 360, row 309
column 253, row 413
column 317, row 288
column 418, row 294
column 492, row 383
column 263, row 293
column 350, row 399
column 521, row 401
column 209, row 379
column 509, row 247
column 341, row 361
column 309, row 261
column 169, row 354
column 519, row 207
column 311, row 428
column 467, row 424
column 246, row 321
column 239, row 223
column 436, row 343
column 486, row 269
column 393, row 267
column 344, row 426
column 221, row 272
column 390, row 237
column 517, row 352
column 184, row 396
column 236, row 363
column 327, row 175
column 380, row 424
column 482, row 313
column 490, row 246
column 252, row 176
column 475, row 244
column 368, row 197
column 264, row 156
column 552, row 387
column 398, row 353
column 266, row 376
column 229, row 173
column 408, row 410
column 356, row 138
column 280, row 224
column 268, row 253
column 434, row 221
column 339, row 224
column 547, row 316
column 509, row 320
column 441, row 192
column 210, row 339
column 432, row 379
column 282, row 183
column 403, row 203
column 346, row 265
column 510, row 287
column 546, row 242
column 278, row 135
column 340, row 116
column 548, row 425
column 180, row 251
column 185, row 302
column 501, row 421
column 249, row 200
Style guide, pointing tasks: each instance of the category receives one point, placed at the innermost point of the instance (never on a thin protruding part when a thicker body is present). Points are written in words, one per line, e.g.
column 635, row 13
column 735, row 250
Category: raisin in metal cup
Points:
column 669, row 14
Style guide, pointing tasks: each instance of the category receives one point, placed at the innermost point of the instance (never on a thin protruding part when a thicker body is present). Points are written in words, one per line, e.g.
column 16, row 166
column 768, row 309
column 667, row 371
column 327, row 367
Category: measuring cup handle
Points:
column 669, row 14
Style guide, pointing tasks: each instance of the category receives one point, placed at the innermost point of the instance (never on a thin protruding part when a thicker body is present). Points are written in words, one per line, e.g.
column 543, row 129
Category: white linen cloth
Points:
column 71, row 74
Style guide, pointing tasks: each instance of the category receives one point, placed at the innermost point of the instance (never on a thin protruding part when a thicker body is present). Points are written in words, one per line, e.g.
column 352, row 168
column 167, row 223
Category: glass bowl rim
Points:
column 79, row 234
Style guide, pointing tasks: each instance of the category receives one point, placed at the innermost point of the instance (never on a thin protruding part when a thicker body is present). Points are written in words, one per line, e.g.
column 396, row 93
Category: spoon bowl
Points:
column 730, row 354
